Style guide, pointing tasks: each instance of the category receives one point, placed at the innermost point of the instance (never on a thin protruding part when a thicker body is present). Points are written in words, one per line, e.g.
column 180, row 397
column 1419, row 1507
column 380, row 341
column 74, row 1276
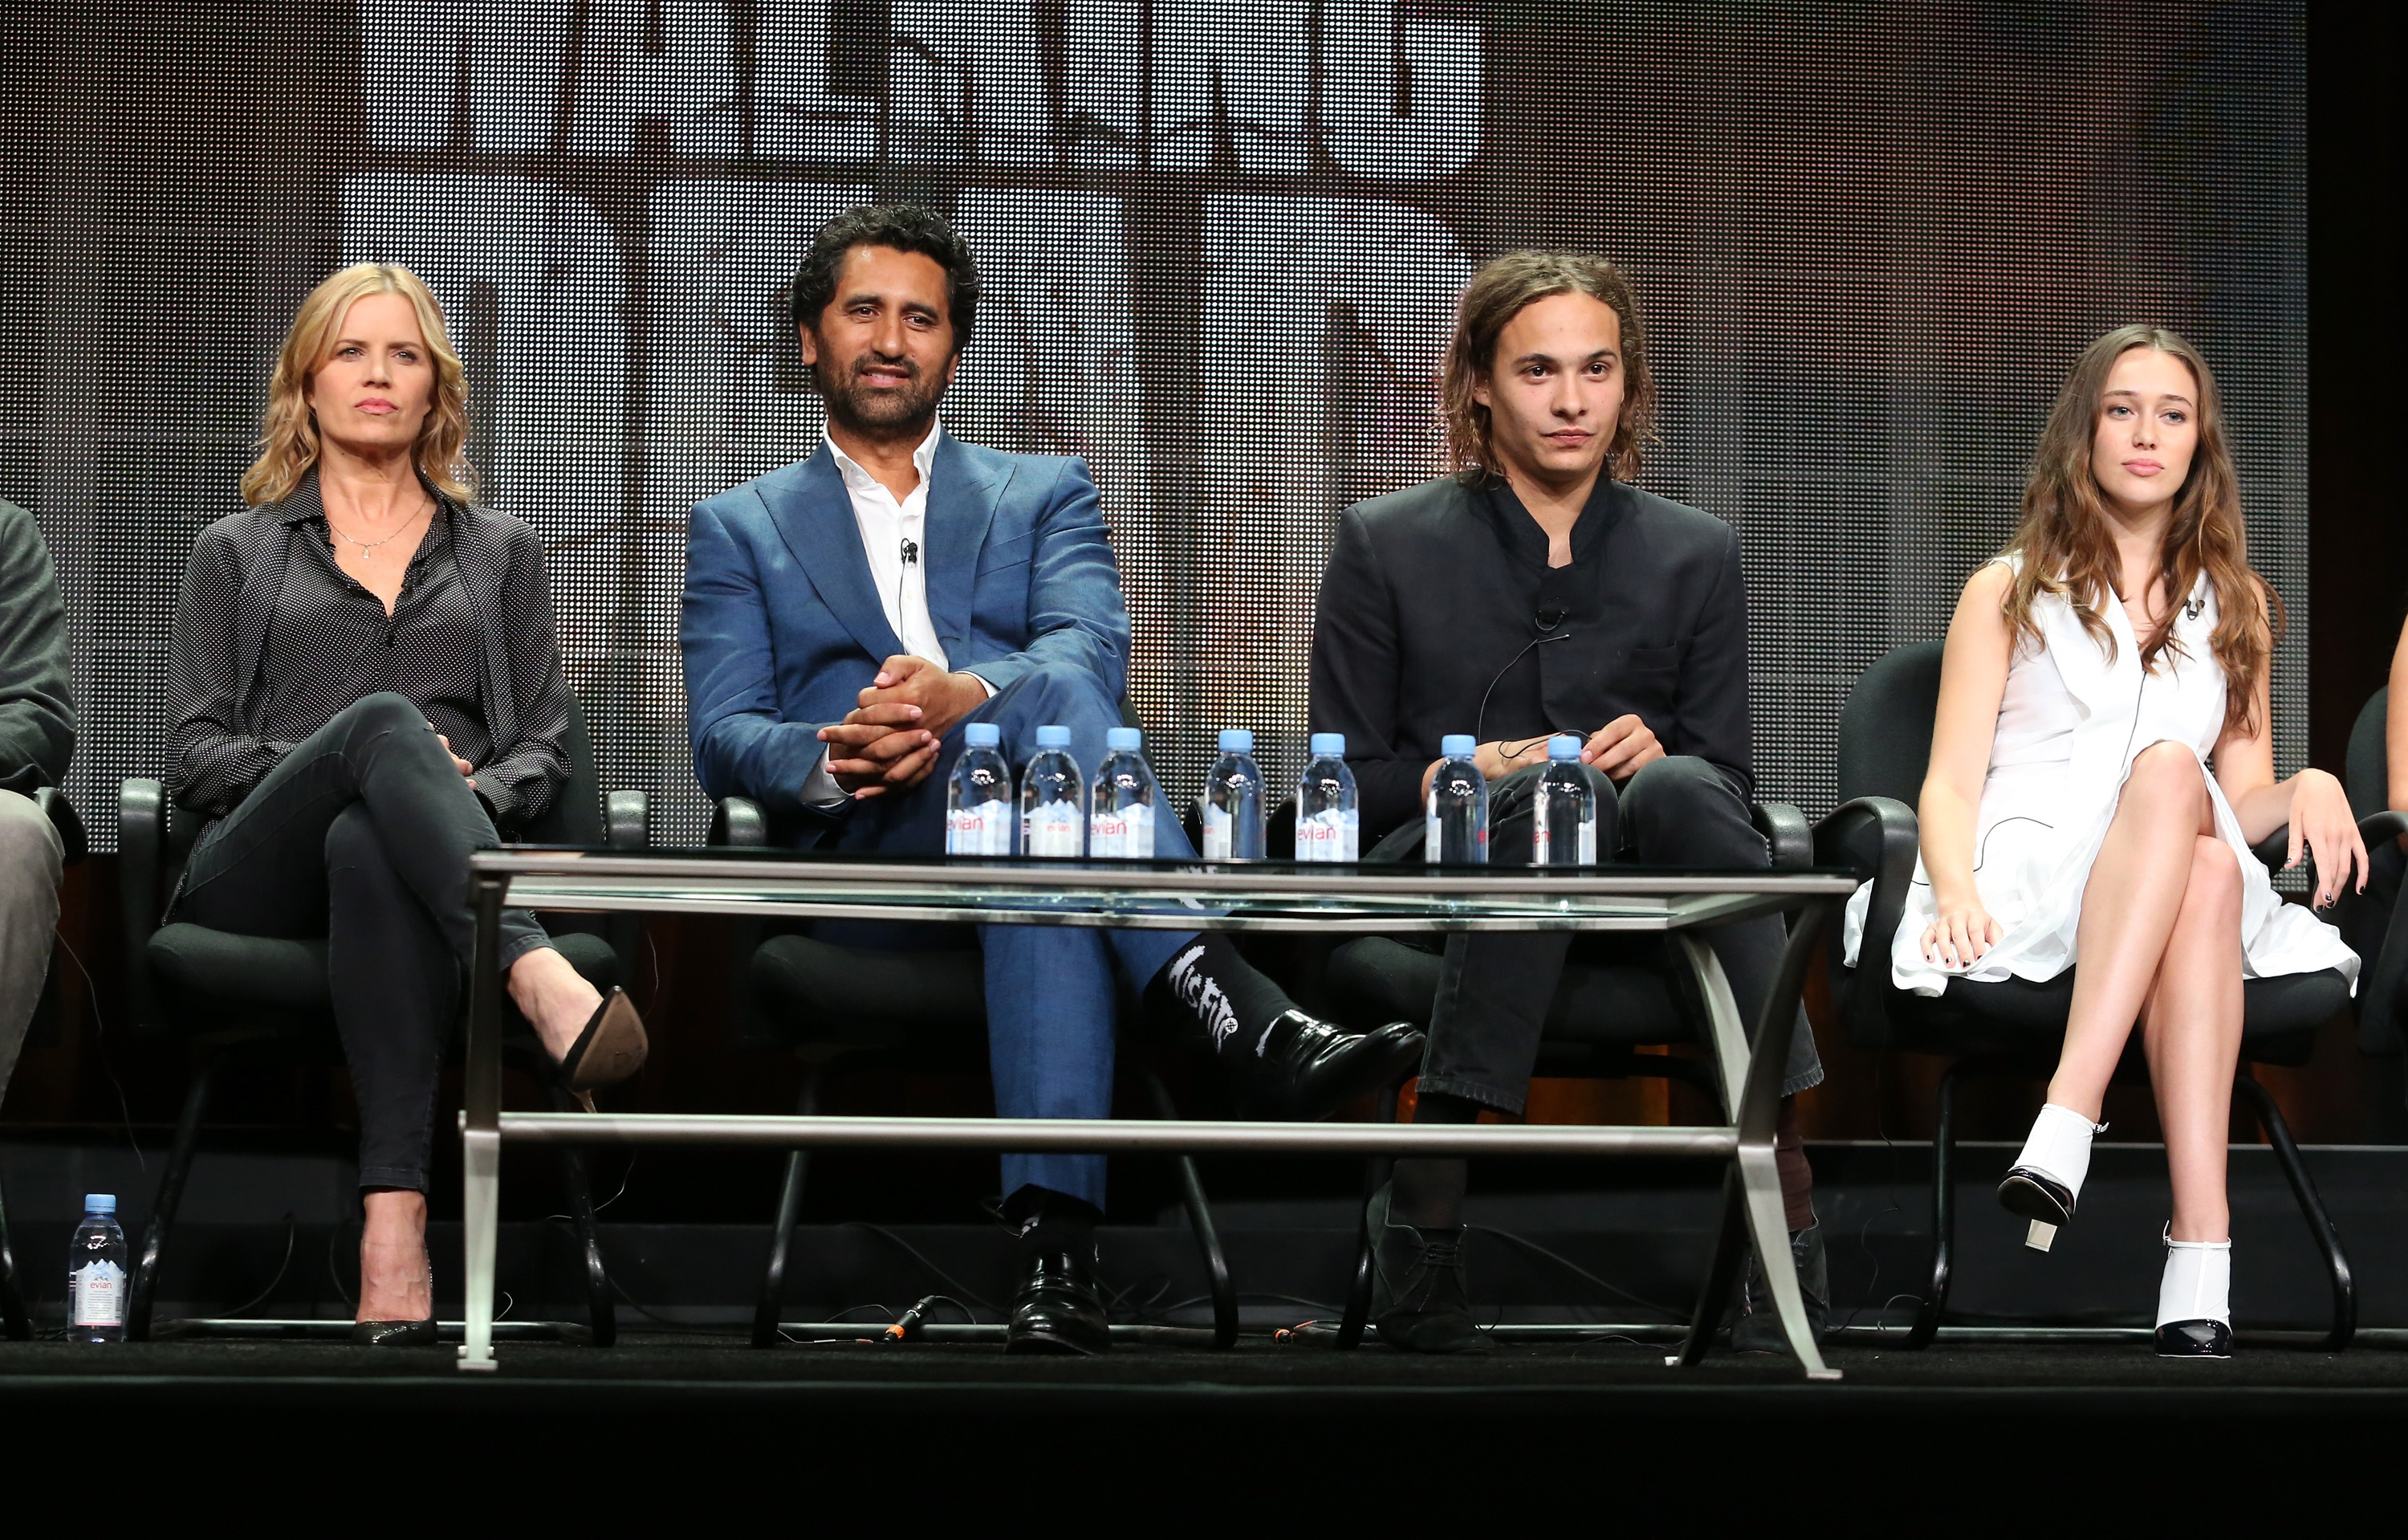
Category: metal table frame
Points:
column 1169, row 898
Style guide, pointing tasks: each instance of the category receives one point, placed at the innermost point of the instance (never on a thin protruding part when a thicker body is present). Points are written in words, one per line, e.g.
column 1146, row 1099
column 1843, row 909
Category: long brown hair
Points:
column 2067, row 546
column 288, row 438
column 1500, row 291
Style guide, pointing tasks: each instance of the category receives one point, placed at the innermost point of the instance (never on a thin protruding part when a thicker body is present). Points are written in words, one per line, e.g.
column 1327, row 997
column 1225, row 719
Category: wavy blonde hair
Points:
column 288, row 438
column 2068, row 548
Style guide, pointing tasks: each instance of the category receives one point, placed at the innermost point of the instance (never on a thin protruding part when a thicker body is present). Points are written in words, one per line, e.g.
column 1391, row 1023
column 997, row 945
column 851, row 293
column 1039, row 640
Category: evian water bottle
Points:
column 1456, row 815
column 96, row 1274
column 1327, row 828
column 1563, row 811
column 1052, row 800
column 1120, row 814
column 980, row 819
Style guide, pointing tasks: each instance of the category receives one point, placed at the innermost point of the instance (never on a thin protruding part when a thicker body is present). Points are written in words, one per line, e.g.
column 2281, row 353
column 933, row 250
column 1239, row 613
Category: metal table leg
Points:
column 1757, row 1187
column 481, row 1129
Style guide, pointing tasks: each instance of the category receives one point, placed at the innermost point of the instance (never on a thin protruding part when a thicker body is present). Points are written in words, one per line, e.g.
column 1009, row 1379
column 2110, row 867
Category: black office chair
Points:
column 843, row 1010
column 16, row 1322
column 229, row 995
column 2014, row 1029
column 2372, row 921
column 1617, row 994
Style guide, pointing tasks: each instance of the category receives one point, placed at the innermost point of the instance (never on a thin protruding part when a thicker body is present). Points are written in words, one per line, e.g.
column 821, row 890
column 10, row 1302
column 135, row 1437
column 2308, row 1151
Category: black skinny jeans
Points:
column 1494, row 994
column 362, row 835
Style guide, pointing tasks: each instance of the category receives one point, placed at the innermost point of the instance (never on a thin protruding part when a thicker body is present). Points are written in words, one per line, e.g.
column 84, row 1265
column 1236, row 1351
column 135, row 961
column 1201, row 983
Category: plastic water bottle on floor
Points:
column 1563, row 830
column 1052, row 800
column 1120, row 816
column 1327, row 828
column 96, row 1274
column 1233, row 801
column 980, row 819
column 1454, row 826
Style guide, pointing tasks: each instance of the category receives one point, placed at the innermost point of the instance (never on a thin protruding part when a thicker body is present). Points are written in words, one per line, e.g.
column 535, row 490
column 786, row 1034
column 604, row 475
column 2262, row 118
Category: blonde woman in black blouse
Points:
column 363, row 690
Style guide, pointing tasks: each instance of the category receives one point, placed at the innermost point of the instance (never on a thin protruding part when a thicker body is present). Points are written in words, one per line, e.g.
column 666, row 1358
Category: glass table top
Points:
column 1149, row 894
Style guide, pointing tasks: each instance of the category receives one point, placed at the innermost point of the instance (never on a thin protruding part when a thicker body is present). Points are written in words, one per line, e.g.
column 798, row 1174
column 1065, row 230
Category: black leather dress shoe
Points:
column 1058, row 1309
column 1303, row 1068
column 1419, row 1300
column 2194, row 1340
column 394, row 1334
column 2030, row 1195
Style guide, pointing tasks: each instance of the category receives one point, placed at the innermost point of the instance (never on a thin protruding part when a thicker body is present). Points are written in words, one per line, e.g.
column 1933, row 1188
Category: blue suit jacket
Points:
column 783, row 628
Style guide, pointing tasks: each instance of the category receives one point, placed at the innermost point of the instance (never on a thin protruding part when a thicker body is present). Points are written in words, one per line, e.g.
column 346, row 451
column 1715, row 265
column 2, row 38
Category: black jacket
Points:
column 1431, row 592
column 36, row 691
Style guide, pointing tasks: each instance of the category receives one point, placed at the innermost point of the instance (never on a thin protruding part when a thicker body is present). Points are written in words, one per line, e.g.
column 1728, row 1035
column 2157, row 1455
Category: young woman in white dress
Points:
column 2092, row 677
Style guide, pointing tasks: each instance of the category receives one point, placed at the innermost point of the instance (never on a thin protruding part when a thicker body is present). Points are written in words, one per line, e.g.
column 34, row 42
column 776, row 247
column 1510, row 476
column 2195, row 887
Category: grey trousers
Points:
column 30, row 858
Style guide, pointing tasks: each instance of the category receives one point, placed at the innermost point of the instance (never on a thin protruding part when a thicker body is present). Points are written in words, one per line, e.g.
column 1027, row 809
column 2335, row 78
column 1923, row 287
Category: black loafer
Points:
column 394, row 1334
column 2194, row 1340
column 1304, row 1068
column 2028, row 1194
column 1419, row 1300
column 1058, row 1309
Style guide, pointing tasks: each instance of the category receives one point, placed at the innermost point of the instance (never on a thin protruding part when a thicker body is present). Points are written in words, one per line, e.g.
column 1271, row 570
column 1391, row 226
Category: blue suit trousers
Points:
column 1052, row 995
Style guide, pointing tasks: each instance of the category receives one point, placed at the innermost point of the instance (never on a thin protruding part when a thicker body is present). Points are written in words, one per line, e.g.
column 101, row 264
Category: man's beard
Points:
column 879, row 410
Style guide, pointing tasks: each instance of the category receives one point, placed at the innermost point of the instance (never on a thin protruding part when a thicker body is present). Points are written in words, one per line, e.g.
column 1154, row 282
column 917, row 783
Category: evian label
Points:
column 982, row 831
column 1053, row 829
column 1125, row 834
column 1329, row 835
column 1580, row 852
column 1218, row 828
column 97, row 1294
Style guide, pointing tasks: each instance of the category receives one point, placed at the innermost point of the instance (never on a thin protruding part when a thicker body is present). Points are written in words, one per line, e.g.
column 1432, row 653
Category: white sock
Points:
column 2198, row 1285
column 2059, row 1146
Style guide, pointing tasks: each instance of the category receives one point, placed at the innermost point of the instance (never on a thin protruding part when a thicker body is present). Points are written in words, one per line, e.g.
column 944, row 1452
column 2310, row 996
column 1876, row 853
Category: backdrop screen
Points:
column 1221, row 244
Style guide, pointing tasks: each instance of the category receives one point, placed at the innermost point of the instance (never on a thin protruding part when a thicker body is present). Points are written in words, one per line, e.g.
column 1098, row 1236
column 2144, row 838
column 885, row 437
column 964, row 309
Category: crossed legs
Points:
column 2158, row 943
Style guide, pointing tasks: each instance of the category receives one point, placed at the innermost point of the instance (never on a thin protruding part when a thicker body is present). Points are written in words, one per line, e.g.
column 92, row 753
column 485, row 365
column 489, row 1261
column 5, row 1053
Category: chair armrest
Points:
column 2375, row 828
column 627, row 820
column 62, row 817
column 1875, row 838
column 1784, row 830
column 738, row 822
column 141, row 846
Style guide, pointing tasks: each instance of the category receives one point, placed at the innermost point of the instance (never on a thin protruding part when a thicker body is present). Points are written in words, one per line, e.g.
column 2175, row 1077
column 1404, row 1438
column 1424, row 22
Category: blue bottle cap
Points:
column 1237, row 741
column 1329, row 745
column 983, row 735
column 1123, row 739
column 1457, row 745
column 1052, row 738
column 100, row 1202
column 1564, row 745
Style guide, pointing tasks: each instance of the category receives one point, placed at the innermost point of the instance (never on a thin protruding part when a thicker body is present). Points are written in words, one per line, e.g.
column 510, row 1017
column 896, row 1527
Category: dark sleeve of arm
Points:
column 214, row 761
column 1075, row 614
column 520, row 784
column 1356, row 684
column 1710, row 712
column 36, row 690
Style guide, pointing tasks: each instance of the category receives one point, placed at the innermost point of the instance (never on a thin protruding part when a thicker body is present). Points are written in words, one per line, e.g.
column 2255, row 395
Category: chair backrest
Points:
column 574, row 816
column 2370, row 763
column 1885, row 727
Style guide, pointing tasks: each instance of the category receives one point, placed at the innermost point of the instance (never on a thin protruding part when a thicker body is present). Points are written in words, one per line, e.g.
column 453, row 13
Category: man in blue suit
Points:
column 846, row 618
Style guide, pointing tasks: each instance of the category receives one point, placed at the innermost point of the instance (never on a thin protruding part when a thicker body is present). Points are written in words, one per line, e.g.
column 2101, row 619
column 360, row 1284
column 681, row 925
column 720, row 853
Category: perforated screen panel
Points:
column 1222, row 242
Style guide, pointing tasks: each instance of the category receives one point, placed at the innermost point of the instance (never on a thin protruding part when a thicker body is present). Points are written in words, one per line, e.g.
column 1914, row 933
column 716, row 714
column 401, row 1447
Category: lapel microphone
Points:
column 1550, row 617
column 911, row 552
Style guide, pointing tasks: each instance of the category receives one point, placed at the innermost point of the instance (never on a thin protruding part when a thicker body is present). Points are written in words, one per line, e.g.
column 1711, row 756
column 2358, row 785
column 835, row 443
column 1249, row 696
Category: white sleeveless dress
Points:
column 2069, row 725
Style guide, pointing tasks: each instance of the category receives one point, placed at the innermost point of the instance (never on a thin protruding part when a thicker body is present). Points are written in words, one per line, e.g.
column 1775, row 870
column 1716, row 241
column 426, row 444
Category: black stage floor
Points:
column 667, row 1417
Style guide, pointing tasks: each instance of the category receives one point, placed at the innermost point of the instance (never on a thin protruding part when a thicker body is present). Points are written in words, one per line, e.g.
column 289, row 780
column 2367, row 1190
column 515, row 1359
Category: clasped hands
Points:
column 1617, row 751
column 888, row 741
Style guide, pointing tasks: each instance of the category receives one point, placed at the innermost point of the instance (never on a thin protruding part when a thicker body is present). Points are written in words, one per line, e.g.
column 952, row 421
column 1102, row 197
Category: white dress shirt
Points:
column 894, row 537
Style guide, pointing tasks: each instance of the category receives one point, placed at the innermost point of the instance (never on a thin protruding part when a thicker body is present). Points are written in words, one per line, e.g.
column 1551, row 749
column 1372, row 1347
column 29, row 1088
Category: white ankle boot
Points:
column 2047, row 1178
column 2195, row 1299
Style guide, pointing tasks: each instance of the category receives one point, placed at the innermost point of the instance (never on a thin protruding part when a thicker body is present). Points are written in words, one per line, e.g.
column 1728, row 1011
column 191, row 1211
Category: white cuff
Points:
column 820, row 788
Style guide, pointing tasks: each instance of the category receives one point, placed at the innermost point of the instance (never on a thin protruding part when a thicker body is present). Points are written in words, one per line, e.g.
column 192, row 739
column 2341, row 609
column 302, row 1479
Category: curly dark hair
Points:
column 900, row 227
column 1500, row 291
